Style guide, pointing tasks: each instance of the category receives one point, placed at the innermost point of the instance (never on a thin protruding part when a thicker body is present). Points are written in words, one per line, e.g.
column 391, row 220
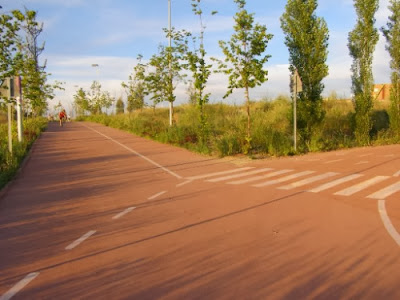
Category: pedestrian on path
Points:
column 62, row 115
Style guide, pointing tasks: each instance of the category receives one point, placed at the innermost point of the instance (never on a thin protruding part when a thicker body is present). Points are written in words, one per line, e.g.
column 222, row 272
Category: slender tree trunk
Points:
column 246, row 93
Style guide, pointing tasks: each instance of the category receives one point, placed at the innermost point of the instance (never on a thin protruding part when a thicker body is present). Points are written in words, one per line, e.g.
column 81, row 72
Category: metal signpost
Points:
column 297, row 87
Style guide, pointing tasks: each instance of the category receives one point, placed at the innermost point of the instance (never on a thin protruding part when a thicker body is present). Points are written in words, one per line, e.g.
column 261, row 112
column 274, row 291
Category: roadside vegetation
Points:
column 9, row 163
column 272, row 129
column 20, row 57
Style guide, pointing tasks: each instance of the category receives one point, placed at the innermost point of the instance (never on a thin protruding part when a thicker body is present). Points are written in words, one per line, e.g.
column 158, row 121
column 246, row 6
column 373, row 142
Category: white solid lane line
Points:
column 80, row 240
column 386, row 221
column 260, row 177
column 136, row 153
column 335, row 183
column 283, row 179
column 307, row 181
column 386, row 192
column 239, row 175
column 19, row 286
column 156, row 195
column 218, row 173
column 122, row 213
column 363, row 185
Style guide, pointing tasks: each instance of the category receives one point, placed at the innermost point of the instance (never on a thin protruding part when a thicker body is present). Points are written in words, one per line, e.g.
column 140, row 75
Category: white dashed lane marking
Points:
column 80, row 240
column 19, row 286
column 117, row 216
column 156, row 195
column 332, row 161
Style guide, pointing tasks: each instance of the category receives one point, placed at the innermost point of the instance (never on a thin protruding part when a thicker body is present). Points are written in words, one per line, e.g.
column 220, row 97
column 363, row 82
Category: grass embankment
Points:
column 226, row 128
column 9, row 163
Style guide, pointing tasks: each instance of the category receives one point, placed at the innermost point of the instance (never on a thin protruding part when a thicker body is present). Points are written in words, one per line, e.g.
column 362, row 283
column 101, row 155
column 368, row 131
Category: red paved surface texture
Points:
column 97, row 213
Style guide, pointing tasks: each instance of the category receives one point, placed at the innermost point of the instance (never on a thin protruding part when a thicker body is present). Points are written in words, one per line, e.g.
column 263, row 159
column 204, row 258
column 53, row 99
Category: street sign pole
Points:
column 19, row 119
column 295, row 114
column 9, row 105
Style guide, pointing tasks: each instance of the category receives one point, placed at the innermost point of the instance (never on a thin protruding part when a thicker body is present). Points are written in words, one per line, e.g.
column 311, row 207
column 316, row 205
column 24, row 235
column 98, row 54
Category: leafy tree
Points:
column 94, row 100
column 245, row 54
column 165, row 70
column 9, row 55
column 307, row 41
column 135, row 88
column 98, row 99
column 201, row 71
column 362, row 42
column 81, row 102
column 36, row 90
column 191, row 92
column 392, row 35
column 119, row 106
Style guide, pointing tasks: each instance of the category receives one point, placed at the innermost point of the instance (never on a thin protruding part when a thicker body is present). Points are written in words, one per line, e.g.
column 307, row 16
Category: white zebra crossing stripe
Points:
column 260, row 177
column 307, row 181
column 363, row 185
column 218, row 173
column 386, row 192
column 334, row 183
column 283, row 179
column 239, row 175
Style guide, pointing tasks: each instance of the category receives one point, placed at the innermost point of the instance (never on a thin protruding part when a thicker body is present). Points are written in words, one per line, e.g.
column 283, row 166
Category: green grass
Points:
column 271, row 132
column 9, row 164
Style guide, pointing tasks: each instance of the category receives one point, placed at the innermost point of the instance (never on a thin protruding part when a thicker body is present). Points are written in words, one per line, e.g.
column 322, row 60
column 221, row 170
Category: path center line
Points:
column 19, row 286
column 136, row 153
column 122, row 213
column 80, row 240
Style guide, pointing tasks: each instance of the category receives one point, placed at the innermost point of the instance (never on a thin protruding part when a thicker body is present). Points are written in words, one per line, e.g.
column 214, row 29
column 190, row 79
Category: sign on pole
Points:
column 296, row 86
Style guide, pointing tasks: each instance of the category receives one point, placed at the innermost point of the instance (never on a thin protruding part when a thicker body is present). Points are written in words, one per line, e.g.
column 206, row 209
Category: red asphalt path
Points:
column 97, row 213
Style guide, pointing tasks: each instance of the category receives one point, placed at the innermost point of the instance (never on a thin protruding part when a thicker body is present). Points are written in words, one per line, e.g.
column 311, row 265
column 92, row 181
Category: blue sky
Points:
column 111, row 33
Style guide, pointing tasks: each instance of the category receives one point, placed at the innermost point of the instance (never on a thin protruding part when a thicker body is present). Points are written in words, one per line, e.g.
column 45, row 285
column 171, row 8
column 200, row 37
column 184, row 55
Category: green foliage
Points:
column 201, row 71
column 245, row 52
column 392, row 35
column 165, row 69
column 362, row 42
column 93, row 101
column 307, row 41
column 119, row 106
column 9, row 27
column 9, row 163
column 136, row 86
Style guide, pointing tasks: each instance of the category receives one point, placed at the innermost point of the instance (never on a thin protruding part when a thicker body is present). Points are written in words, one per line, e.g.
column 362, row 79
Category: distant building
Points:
column 381, row 92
